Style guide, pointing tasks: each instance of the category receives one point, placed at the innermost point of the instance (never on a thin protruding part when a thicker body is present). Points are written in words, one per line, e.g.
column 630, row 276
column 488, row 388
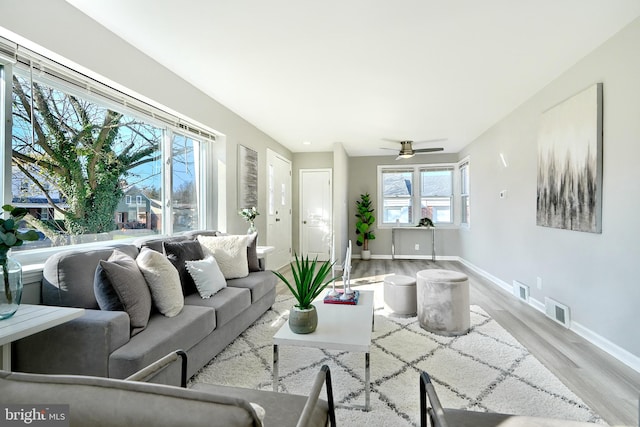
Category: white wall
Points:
column 61, row 29
column 597, row 275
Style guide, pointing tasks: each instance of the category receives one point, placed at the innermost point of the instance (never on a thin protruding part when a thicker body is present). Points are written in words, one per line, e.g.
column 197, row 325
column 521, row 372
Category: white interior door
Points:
column 278, row 210
column 315, row 213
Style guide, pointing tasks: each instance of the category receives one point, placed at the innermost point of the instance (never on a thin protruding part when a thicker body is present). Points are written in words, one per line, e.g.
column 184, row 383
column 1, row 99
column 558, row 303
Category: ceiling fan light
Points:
column 405, row 156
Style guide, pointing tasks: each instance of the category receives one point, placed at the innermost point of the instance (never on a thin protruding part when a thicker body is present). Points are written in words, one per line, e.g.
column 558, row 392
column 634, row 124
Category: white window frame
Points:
column 72, row 81
column 416, row 196
column 465, row 222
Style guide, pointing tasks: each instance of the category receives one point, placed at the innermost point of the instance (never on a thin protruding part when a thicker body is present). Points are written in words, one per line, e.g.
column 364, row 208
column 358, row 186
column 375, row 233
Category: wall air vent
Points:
column 558, row 312
column 521, row 291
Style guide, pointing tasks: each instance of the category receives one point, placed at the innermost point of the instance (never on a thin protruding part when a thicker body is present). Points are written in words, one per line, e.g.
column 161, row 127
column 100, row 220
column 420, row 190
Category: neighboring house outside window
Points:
column 401, row 203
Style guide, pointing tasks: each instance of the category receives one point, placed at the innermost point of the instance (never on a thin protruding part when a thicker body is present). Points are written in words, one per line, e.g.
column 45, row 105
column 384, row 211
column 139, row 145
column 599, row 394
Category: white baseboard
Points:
column 629, row 359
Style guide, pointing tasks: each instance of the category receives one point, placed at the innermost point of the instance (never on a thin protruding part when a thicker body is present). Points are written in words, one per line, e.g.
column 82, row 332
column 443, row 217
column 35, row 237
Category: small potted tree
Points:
column 310, row 278
column 364, row 225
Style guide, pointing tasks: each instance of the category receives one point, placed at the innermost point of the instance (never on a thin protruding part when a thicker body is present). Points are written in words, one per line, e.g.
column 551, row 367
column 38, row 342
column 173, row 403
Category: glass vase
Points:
column 10, row 288
column 252, row 228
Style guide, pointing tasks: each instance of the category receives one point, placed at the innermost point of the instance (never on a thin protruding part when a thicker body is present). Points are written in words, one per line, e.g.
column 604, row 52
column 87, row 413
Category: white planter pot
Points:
column 366, row 255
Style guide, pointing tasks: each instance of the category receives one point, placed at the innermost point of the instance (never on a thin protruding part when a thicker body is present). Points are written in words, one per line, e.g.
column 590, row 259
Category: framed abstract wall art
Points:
column 569, row 192
column 247, row 177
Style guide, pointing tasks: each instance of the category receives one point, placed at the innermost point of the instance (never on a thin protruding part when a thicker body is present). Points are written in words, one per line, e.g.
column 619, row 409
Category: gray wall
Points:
column 340, row 201
column 63, row 30
column 304, row 161
column 597, row 275
column 363, row 179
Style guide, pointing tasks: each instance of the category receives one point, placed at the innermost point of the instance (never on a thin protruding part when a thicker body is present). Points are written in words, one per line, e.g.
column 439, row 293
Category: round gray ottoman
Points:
column 400, row 294
column 443, row 302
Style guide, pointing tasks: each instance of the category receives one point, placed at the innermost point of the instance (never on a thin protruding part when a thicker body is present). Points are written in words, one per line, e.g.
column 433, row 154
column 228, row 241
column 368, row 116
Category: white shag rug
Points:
column 485, row 370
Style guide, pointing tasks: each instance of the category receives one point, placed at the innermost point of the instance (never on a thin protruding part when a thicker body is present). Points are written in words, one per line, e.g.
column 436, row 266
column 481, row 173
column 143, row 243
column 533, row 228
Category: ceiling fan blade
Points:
column 387, row 148
column 427, row 150
column 426, row 141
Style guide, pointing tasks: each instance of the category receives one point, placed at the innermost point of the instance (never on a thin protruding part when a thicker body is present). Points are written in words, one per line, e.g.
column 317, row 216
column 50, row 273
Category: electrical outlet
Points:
column 417, row 247
column 503, row 194
column 539, row 282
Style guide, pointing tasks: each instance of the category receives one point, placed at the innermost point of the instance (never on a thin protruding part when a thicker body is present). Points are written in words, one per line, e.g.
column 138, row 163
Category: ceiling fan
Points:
column 407, row 151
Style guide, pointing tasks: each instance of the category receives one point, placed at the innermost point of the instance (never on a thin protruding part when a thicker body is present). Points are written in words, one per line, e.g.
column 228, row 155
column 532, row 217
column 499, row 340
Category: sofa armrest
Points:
column 81, row 346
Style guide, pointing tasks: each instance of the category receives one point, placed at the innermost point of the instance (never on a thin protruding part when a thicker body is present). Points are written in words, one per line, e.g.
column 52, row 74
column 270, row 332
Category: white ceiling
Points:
column 358, row 71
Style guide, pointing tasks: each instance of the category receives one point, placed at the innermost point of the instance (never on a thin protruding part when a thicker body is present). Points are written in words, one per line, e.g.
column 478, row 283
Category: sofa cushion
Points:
column 180, row 252
column 133, row 292
column 228, row 303
column 259, row 283
column 230, row 253
column 67, row 276
column 207, row 276
column 163, row 334
column 163, row 281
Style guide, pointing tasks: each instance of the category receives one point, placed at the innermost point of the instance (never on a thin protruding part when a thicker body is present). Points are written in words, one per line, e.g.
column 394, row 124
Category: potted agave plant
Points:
column 10, row 269
column 310, row 279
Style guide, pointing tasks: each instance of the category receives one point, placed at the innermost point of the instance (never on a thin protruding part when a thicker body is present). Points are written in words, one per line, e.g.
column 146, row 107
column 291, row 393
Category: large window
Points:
column 90, row 166
column 397, row 196
column 436, row 194
column 407, row 194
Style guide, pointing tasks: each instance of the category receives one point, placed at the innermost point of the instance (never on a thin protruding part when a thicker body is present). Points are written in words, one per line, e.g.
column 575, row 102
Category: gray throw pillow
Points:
column 127, row 280
column 252, row 253
column 179, row 253
column 104, row 292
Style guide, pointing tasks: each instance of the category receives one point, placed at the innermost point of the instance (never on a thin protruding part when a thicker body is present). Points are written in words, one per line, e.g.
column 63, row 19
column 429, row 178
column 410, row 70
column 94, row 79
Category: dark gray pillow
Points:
column 252, row 252
column 179, row 253
column 106, row 295
column 128, row 282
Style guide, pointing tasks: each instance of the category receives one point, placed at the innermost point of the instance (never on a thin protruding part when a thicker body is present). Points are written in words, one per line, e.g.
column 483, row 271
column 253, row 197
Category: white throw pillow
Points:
column 206, row 275
column 163, row 281
column 230, row 252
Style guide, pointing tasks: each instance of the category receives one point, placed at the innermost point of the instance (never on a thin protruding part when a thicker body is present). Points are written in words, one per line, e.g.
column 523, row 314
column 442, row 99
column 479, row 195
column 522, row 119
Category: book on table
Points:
column 352, row 299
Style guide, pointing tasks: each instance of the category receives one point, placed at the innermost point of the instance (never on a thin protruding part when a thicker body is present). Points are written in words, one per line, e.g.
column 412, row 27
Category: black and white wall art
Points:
column 569, row 194
column 247, row 177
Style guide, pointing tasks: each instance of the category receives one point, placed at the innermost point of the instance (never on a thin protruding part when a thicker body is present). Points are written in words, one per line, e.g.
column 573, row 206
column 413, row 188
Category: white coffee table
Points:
column 340, row 327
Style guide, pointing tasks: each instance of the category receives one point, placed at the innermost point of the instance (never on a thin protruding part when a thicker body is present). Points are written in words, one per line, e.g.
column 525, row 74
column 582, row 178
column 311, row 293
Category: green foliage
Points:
column 82, row 149
column 308, row 283
column 364, row 225
column 11, row 236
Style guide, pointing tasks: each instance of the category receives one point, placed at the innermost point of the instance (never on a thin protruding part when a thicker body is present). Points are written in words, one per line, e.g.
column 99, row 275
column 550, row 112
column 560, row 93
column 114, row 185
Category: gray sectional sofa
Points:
column 100, row 342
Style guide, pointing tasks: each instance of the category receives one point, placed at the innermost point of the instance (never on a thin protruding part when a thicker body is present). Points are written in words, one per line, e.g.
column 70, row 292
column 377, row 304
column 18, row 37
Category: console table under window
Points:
column 412, row 229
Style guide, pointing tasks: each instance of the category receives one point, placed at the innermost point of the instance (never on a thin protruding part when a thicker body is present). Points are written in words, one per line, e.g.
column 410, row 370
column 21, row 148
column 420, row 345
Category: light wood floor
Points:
column 609, row 387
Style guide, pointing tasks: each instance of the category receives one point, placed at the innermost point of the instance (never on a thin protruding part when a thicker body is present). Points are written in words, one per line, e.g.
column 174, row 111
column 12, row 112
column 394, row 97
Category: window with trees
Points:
column 91, row 169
